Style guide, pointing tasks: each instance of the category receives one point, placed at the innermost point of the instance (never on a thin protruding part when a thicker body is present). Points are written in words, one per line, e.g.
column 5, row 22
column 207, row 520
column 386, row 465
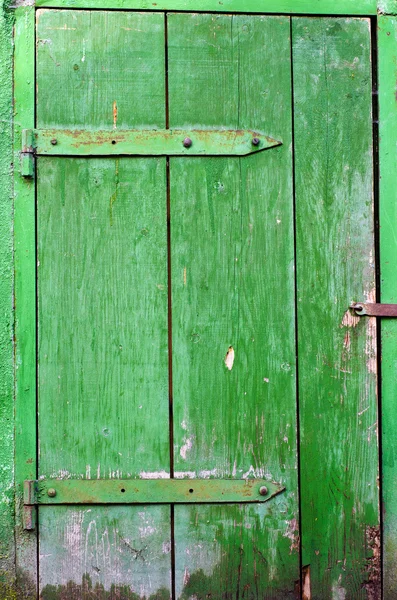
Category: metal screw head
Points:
column 187, row 142
column 51, row 492
column 263, row 490
column 54, row 142
column 256, row 141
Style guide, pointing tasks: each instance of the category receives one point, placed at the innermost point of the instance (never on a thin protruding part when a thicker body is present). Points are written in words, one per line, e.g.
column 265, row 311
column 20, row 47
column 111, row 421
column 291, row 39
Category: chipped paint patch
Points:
column 338, row 592
column 306, row 583
column 187, row 446
column 229, row 358
column 154, row 475
column 373, row 583
column 370, row 345
column 292, row 533
column 115, row 115
column 349, row 319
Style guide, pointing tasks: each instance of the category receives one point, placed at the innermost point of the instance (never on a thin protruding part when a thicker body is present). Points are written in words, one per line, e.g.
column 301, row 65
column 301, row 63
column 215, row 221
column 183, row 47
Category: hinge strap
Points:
column 373, row 309
column 148, row 142
column 150, row 491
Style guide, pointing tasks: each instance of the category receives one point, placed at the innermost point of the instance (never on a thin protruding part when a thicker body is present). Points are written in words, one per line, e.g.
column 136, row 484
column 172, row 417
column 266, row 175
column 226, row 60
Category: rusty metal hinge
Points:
column 29, row 505
column 27, row 154
column 373, row 309
column 149, row 491
column 148, row 142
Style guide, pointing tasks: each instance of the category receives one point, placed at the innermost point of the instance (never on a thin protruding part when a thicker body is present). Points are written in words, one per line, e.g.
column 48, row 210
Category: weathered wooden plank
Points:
column 323, row 7
column 104, row 552
column 220, row 553
column 335, row 266
column 387, row 36
column 25, row 295
column 103, row 66
column 232, row 269
column 102, row 292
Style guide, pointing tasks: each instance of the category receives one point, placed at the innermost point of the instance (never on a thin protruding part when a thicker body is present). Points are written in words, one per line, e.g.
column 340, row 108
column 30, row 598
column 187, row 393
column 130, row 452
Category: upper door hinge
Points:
column 148, row 142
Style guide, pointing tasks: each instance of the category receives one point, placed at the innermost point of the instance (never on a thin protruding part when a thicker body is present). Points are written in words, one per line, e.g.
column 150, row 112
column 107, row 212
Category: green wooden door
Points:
column 180, row 295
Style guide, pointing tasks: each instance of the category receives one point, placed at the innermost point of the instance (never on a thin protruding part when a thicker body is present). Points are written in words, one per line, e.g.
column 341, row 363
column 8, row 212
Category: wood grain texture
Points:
column 104, row 67
column 24, row 302
column 324, row 7
column 335, row 266
column 102, row 289
column 105, row 552
column 387, row 36
column 232, row 269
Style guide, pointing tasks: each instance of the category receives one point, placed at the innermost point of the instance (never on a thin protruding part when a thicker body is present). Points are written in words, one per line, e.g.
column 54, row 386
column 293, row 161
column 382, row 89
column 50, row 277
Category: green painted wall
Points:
column 6, row 321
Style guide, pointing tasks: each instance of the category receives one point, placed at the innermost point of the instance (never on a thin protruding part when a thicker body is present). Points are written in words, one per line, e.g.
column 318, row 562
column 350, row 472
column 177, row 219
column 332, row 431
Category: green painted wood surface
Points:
column 25, row 297
column 102, row 296
column 324, row 7
column 115, row 552
column 335, row 266
column 113, row 80
column 387, row 36
column 102, row 293
column 225, row 545
column 232, row 270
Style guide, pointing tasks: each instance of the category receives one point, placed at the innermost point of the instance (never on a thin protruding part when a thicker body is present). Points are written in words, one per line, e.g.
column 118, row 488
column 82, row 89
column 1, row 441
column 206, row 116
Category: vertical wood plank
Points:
column 387, row 35
column 105, row 552
column 103, row 66
column 232, row 270
column 335, row 266
column 102, row 294
column 25, row 301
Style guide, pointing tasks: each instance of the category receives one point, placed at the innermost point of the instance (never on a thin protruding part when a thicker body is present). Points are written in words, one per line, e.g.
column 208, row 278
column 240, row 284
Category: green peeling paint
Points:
column 6, row 324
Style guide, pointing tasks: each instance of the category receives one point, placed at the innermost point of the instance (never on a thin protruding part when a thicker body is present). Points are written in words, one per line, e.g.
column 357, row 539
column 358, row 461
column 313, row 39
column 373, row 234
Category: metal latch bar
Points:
column 150, row 142
column 373, row 309
column 150, row 491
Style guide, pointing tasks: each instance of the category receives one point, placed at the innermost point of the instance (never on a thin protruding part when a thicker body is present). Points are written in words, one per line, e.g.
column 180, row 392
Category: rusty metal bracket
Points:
column 27, row 154
column 149, row 142
column 29, row 508
column 373, row 309
column 149, row 491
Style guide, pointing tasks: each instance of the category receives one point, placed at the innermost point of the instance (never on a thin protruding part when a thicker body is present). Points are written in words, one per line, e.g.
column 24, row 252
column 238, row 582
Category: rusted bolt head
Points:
column 54, row 142
column 187, row 142
column 256, row 141
column 51, row 492
column 263, row 490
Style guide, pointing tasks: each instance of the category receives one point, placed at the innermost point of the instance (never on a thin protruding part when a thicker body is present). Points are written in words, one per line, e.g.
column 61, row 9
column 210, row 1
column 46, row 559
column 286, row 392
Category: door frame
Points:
column 25, row 343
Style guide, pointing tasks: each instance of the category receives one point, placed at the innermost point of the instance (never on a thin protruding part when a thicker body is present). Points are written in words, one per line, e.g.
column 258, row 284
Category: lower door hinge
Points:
column 149, row 491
